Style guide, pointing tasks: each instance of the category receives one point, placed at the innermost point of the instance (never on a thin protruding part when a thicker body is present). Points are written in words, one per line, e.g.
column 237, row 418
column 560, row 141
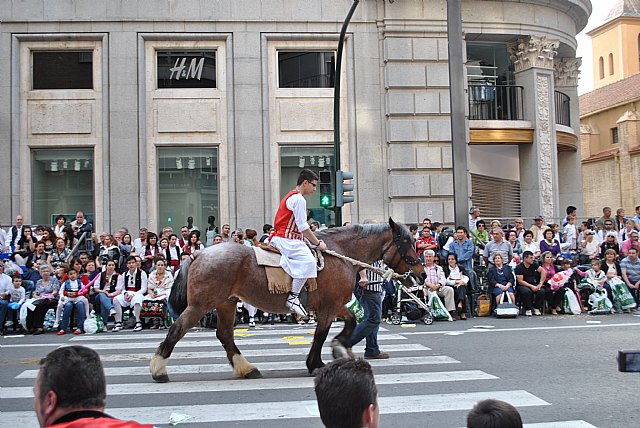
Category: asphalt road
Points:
column 559, row 371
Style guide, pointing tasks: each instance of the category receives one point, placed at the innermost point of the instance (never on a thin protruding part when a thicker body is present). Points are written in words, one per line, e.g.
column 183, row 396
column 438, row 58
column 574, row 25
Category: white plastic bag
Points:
column 570, row 304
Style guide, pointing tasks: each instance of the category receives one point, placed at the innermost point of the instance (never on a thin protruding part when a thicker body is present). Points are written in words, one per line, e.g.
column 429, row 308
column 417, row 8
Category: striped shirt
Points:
column 374, row 280
column 633, row 269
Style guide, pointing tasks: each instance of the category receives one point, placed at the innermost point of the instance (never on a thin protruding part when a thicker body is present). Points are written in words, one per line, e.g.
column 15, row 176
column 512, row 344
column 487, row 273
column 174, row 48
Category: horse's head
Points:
column 400, row 253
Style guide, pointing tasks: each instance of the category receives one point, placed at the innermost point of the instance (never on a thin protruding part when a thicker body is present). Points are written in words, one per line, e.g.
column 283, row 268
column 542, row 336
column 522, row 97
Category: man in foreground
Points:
column 71, row 391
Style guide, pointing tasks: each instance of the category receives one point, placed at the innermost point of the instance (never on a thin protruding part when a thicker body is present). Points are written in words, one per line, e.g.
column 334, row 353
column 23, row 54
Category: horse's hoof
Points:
column 163, row 378
column 338, row 350
column 314, row 369
column 253, row 374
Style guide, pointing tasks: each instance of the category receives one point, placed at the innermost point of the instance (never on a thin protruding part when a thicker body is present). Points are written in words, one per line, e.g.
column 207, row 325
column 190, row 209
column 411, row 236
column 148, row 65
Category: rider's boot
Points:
column 293, row 301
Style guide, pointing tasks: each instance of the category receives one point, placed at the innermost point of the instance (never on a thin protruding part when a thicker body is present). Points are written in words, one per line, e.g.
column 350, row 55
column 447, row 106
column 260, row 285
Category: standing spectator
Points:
column 630, row 267
column 530, row 278
column 226, row 233
column 462, row 247
column 347, row 394
column 474, row 217
column 550, row 243
column 81, row 227
column 632, row 242
column 125, row 246
column 70, row 391
column 251, row 237
column 606, row 215
column 140, row 241
column 58, row 229
column 570, row 235
column 149, row 251
column 5, row 293
column 426, row 222
column 184, row 238
column 133, row 283
column 498, row 245
column 436, row 281
column 571, row 212
column 210, row 231
column 537, row 228
column 172, row 253
column 15, row 233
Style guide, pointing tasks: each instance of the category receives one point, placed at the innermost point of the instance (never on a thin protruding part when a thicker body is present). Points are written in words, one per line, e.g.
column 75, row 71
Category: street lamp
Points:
column 336, row 98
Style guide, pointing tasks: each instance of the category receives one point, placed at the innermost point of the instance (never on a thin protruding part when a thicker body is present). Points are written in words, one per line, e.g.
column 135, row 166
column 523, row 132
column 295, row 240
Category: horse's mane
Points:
column 362, row 230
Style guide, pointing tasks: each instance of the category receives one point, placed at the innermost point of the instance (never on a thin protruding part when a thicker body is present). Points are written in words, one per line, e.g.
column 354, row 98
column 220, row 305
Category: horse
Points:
column 222, row 274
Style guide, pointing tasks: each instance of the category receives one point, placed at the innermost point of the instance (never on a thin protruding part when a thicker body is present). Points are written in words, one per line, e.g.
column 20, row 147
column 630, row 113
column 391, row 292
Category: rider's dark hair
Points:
column 493, row 413
column 345, row 388
column 306, row 174
column 82, row 365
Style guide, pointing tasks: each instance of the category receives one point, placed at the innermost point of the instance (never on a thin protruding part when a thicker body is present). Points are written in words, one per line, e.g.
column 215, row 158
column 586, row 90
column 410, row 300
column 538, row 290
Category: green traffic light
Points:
column 325, row 201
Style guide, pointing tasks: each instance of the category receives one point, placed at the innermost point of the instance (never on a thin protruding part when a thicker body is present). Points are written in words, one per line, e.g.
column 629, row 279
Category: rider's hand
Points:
column 322, row 246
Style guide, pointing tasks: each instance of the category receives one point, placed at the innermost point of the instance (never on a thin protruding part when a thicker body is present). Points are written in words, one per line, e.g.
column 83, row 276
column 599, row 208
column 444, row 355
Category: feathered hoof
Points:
column 163, row 378
column 339, row 350
column 253, row 374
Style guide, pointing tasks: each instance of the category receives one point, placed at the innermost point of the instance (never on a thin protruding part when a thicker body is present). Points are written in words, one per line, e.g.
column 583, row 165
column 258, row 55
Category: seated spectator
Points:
column 624, row 234
column 455, row 277
column 550, row 243
column 500, row 278
column 619, row 220
column 24, row 247
column 435, row 281
column 133, row 283
column 46, row 295
column 607, row 227
column 216, row 240
column 426, row 242
column 413, row 229
column 529, row 244
column 347, row 394
column 636, row 219
column 71, row 390
column 109, row 250
column 633, row 241
column 90, row 272
column 589, row 248
column 173, row 251
column 611, row 269
column 518, row 227
column 512, row 238
column 537, row 228
column 61, row 222
column 105, row 288
column 630, row 267
column 597, row 278
column 493, row 414
column 126, row 247
column 553, row 295
column 266, row 231
column 497, row 245
column 610, row 241
column 5, row 293
column 72, row 299
column 481, row 236
column 193, row 243
column 158, row 289
column 59, row 254
column 530, row 278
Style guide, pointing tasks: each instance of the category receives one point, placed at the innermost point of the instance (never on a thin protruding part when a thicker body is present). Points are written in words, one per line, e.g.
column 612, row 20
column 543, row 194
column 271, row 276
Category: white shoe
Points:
column 8, row 323
column 112, row 312
column 537, row 312
column 311, row 320
column 252, row 322
column 55, row 326
column 117, row 327
column 528, row 313
column 294, row 305
column 138, row 327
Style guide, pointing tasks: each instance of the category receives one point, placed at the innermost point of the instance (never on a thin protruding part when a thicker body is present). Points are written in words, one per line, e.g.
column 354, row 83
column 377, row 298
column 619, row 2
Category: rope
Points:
column 387, row 274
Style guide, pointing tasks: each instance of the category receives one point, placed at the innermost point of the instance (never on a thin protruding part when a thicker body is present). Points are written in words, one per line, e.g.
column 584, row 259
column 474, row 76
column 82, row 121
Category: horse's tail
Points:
column 178, row 296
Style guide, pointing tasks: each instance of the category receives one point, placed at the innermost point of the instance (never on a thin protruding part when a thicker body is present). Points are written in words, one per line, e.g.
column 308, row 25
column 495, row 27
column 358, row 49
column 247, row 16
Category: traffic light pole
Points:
column 336, row 101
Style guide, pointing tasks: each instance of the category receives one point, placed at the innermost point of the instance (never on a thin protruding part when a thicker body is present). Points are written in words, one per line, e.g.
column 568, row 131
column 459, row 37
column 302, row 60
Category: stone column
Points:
column 533, row 60
column 570, row 192
column 628, row 133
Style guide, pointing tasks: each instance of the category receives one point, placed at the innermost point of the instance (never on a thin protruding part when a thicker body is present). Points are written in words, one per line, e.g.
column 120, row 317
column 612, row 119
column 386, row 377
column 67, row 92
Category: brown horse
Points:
column 224, row 273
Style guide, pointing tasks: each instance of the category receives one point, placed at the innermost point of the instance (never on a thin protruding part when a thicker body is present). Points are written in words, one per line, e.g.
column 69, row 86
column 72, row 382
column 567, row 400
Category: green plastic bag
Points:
column 99, row 324
column 621, row 294
column 437, row 307
column 570, row 304
column 356, row 308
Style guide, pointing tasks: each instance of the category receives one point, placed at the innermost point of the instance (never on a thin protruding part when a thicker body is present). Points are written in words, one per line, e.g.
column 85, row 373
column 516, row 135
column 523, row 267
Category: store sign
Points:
column 193, row 72
column 186, row 69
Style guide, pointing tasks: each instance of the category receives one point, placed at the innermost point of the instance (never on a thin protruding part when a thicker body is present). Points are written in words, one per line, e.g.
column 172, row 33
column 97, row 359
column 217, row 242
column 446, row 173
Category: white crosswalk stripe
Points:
column 407, row 382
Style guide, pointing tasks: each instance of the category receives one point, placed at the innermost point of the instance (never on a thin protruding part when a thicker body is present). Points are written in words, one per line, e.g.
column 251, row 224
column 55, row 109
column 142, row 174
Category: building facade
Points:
column 610, row 114
column 144, row 113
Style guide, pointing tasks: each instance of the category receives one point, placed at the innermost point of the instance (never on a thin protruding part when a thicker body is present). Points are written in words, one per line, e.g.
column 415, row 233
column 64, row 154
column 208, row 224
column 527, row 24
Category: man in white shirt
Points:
column 140, row 241
column 14, row 233
column 133, row 283
column 474, row 216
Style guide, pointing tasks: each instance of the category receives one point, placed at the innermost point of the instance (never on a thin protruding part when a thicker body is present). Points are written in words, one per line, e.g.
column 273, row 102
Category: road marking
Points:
column 326, row 350
column 263, row 366
column 259, row 384
column 209, row 413
column 560, row 424
column 483, row 330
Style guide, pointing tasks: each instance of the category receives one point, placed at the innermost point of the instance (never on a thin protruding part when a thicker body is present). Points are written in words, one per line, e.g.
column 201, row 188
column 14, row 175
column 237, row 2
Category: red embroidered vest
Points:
column 285, row 223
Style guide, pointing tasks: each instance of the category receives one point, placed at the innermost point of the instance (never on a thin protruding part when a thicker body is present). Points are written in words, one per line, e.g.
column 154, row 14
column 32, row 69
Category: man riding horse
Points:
column 291, row 228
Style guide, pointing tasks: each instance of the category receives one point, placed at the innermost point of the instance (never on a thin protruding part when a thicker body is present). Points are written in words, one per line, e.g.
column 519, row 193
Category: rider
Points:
column 291, row 228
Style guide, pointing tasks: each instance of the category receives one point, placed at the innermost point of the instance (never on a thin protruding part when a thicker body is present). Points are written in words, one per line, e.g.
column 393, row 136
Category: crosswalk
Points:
column 415, row 385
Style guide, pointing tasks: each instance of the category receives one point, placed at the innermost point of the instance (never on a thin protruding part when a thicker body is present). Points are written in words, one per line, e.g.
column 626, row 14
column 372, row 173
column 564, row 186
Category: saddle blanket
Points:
column 279, row 281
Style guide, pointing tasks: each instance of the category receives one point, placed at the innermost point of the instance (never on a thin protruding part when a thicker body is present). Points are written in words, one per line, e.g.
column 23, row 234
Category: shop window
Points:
column 62, row 183
column 186, row 69
column 292, row 161
column 187, row 185
column 62, row 69
column 306, row 69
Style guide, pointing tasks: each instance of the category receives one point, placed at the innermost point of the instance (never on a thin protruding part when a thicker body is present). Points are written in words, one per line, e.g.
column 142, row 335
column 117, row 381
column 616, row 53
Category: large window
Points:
column 188, row 185
column 489, row 62
column 186, row 69
column 306, row 69
column 62, row 183
column 62, row 70
column 292, row 161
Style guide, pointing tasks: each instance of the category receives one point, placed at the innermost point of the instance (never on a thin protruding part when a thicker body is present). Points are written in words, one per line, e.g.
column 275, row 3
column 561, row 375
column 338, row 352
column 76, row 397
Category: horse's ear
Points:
column 392, row 223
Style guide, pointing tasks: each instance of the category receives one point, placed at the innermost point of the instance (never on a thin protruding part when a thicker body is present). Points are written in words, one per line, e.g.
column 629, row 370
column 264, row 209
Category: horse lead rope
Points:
column 387, row 274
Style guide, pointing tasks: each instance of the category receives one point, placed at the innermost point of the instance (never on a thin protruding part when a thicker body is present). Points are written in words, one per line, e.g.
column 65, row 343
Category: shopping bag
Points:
column 600, row 303
column 570, row 304
column 437, row 307
column 99, row 324
column 356, row 308
column 621, row 294
column 90, row 326
column 506, row 309
column 484, row 305
column 588, row 284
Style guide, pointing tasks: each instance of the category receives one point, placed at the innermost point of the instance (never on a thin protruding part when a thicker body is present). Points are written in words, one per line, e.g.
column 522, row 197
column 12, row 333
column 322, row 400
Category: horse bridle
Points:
column 402, row 246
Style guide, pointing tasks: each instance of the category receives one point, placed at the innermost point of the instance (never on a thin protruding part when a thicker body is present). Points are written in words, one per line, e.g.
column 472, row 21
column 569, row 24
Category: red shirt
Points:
column 285, row 223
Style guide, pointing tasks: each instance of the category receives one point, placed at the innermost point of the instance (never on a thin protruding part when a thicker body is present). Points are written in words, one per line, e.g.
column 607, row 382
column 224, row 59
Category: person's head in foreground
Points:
column 347, row 394
column 493, row 414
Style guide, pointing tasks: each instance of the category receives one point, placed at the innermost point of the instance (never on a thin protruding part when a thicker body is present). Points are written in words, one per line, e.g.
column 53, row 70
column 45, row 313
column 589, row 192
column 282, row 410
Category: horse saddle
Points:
column 279, row 281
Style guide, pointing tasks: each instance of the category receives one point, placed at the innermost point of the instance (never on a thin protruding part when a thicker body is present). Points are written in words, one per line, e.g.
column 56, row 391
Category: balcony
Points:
column 563, row 108
column 495, row 102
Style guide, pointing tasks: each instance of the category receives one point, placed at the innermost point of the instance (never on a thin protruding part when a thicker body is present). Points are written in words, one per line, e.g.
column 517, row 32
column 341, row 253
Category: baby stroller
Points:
column 410, row 305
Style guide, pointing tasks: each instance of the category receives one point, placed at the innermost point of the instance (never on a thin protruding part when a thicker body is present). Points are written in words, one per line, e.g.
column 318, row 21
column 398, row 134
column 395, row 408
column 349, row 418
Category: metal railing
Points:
column 563, row 108
column 495, row 102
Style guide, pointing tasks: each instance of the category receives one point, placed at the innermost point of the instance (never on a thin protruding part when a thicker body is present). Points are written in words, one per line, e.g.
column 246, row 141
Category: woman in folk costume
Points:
column 291, row 228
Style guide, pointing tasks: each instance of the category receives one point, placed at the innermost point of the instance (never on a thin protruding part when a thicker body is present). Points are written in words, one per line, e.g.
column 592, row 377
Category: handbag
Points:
column 506, row 309
column 484, row 305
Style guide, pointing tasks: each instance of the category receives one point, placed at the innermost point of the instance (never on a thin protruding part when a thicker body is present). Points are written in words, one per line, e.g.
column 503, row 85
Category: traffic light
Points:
column 325, row 189
column 342, row 187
